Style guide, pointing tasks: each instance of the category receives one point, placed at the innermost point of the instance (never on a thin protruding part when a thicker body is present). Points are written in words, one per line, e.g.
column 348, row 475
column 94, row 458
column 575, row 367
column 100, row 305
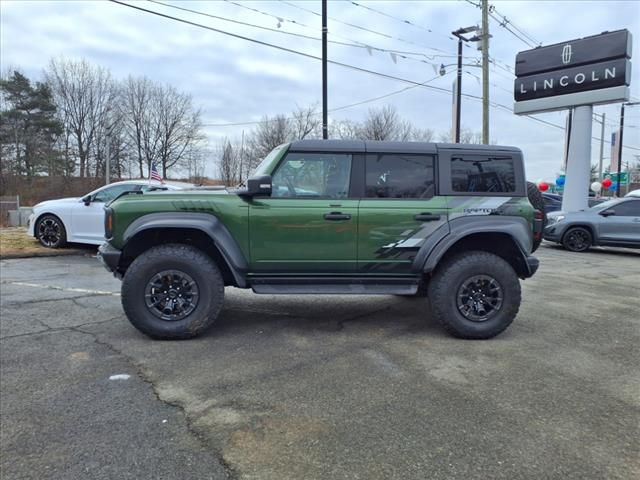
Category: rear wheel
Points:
column 172, row 292
column 577, row 239
column 50, row 231
column 537, row 201
column 475, row 295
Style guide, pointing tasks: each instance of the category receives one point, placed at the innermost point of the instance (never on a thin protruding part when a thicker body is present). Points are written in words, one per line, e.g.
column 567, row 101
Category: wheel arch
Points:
column 587, row 226
column 204, row 231
column 507, row 237
column 53, row 214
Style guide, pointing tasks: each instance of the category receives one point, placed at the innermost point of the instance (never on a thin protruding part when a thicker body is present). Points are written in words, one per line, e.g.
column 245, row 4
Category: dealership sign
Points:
column 587, row 71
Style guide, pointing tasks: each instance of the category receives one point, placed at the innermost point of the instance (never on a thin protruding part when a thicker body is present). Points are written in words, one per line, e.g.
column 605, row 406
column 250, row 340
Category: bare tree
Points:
column 305, row 122
column 385, row 124
column 134, row 105
column 422, row 135
column 178, row 126
column 84, row 94
column 466, row 136
column 228, row 163
column 345, row 130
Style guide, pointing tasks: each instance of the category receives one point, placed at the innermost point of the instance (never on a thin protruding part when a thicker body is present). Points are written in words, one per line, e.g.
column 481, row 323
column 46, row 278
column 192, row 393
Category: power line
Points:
column 395, row 54
column 285, row 49
column 343, row 107
column 344, row 65
column 365, row 29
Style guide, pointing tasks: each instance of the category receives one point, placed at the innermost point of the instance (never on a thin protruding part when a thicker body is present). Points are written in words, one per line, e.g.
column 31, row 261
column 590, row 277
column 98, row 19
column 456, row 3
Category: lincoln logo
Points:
column 566, row 54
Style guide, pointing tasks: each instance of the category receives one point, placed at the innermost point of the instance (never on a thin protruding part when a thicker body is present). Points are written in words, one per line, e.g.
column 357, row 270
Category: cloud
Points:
column 236, row 81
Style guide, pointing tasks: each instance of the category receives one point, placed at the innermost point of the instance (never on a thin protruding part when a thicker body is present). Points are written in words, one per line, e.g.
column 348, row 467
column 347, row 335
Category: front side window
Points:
column 107, row 194
column 476, row 173
column 312, row 175
column 399, row 176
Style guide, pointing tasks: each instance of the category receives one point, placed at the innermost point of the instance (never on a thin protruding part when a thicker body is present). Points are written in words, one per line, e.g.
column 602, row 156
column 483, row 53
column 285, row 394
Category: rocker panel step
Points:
column 334, row 285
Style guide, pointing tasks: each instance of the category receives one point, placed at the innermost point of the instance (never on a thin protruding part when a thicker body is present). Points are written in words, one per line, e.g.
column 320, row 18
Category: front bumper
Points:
column 110, row 258
column 553, row 232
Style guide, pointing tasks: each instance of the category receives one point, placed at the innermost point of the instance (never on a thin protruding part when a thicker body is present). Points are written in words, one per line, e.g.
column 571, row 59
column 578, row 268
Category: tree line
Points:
column 66, row 123
column 239, row 156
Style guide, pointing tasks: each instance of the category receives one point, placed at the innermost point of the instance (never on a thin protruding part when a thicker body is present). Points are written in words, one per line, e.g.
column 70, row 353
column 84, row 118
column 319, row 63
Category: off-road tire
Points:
column 537, row 200
column 448, row 280
column 62, row 232
column 175, row 257
column 569, row 241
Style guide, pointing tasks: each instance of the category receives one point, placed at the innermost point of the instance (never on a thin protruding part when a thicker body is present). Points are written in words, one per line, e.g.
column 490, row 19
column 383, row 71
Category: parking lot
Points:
column 319, row 387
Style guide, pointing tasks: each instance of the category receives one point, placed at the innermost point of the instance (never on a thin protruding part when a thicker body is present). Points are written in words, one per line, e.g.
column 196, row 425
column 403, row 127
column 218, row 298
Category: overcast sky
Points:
column 235, row 81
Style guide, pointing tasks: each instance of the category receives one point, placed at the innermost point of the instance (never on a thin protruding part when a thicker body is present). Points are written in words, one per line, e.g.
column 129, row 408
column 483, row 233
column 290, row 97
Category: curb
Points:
column 62, row 253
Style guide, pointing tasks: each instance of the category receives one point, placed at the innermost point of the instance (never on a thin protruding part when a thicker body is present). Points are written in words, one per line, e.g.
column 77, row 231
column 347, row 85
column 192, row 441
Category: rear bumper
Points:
column 110, row 258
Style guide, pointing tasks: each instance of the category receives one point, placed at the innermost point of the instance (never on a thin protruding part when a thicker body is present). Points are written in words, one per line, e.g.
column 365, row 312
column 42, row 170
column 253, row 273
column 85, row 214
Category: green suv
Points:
column 449, row 222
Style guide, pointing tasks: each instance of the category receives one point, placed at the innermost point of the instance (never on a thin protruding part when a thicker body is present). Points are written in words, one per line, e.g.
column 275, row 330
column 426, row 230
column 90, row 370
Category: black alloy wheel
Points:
column 51, row 232
column 577, row 239
column 479, row 298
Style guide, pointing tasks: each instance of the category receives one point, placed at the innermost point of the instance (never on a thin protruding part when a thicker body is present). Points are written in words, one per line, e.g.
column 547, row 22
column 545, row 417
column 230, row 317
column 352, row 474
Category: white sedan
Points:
column 81, row 220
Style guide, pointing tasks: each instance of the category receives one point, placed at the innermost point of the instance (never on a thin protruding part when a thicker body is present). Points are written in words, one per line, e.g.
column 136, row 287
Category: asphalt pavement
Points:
column 317, row 387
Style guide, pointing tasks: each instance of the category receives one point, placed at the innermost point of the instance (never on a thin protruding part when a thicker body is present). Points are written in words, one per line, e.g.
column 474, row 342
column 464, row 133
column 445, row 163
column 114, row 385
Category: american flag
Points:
column 154, row 175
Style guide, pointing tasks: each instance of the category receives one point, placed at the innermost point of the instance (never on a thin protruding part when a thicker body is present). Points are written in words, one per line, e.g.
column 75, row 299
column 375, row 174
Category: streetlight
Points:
column 630, row 104
column 459, row 35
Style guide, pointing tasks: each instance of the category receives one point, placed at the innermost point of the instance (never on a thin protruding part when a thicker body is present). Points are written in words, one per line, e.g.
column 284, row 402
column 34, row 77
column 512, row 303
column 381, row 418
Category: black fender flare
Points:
column 205, row 222
column 443, row 239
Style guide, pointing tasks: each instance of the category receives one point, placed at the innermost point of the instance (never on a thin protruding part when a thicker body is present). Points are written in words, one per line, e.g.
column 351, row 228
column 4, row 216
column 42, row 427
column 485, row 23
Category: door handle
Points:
column 337, row 216
column 427, row 217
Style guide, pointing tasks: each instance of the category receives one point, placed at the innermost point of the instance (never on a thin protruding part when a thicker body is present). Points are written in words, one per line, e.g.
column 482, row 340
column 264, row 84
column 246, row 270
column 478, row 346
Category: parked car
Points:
column 552, row 202
column 453, row 222
column 633, row 193
column 81, row 220
column 614, row 223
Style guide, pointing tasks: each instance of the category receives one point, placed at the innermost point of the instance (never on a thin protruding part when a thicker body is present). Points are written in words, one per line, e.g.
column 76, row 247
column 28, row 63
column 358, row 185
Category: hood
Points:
column 57, row 201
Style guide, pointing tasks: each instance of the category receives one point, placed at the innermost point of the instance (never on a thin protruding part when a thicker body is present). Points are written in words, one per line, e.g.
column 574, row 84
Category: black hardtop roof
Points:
column 375, row 146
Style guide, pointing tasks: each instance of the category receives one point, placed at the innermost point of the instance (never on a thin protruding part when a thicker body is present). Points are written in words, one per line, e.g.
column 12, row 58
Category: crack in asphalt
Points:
column 50, row 329
column 32, row 302
column 230, row 472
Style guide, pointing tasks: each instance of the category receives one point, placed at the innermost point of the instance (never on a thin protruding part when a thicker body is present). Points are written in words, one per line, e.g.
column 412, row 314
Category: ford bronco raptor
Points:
column 450, row 222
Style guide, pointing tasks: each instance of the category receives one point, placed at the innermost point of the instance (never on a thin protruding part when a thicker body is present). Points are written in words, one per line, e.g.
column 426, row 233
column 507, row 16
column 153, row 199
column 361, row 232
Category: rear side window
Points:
column 476, row 173
column 399, row 176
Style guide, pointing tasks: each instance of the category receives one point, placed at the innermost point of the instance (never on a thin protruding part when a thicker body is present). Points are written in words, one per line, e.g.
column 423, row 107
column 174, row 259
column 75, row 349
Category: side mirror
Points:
column 608, row 213
column 86, row 200
column 259, row 185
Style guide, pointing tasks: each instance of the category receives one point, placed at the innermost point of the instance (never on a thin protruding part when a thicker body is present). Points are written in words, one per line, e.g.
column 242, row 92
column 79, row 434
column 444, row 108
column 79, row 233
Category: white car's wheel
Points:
column 50, row 231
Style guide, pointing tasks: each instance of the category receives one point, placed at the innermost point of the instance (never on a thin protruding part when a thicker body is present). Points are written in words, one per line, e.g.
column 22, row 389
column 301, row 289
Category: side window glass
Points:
column 399, row 176
column 109, row 193
column 312, row 175
column 628, row 209
column 482, row 174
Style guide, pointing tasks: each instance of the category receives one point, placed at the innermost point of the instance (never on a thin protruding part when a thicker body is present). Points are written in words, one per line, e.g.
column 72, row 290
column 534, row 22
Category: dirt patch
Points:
column 16, row 243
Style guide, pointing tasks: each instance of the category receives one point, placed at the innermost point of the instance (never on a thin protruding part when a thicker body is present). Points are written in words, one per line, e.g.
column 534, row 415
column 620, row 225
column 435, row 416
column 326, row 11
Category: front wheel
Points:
column 172, row 292
column 577, row 239
column 50, row 231
column 475, row 295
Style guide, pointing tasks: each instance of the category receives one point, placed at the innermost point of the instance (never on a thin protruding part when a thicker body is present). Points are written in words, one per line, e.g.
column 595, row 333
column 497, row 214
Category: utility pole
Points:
column 620, row 144
column 107, row 167
column 459, row 35
column 601, row 121
column 459, row 90
column 485, row 71
column 325, row 117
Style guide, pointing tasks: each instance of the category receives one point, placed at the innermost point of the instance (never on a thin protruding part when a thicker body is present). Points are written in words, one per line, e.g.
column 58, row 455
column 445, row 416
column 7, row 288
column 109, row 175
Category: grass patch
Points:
column 15, row 242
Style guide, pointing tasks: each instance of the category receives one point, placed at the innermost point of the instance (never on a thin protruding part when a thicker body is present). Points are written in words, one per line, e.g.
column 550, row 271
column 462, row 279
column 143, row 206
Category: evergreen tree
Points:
column 28, row 128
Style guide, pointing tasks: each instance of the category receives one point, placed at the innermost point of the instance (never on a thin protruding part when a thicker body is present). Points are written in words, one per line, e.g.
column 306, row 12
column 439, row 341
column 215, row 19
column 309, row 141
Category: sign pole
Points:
column 620, row 150
column 576, row 187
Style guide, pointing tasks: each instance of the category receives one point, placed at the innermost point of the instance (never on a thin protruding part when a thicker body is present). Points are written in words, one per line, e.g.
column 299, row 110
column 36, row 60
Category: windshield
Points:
column 266, row 162
column 608, row 204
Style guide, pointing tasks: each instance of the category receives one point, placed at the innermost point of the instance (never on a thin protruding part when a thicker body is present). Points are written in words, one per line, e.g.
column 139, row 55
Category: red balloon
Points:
column 606, row 183
column 543, row 186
